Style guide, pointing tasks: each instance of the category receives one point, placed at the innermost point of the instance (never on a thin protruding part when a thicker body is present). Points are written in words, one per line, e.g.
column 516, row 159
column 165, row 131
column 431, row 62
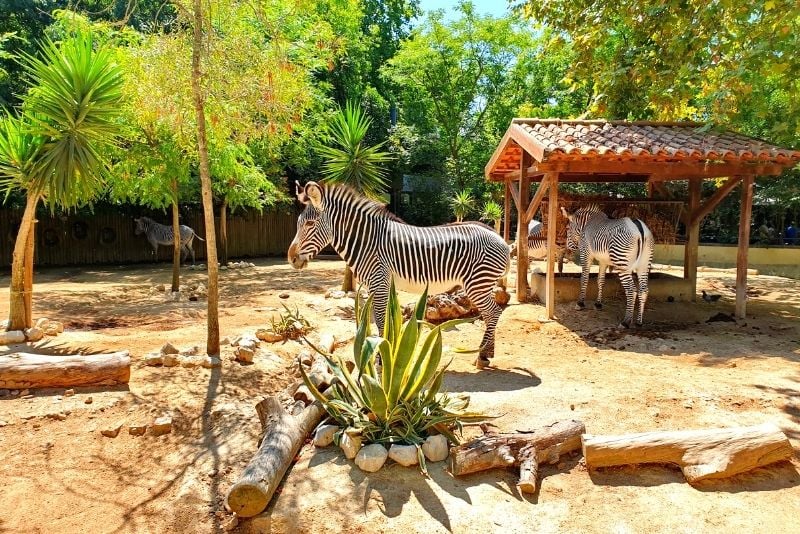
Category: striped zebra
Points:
column 379, row 247
column 161, row 234
column 625, row 244
column 537, row 245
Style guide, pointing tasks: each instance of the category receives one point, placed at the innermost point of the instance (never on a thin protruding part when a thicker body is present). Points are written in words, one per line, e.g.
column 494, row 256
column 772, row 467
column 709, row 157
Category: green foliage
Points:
column 492, row 211
column 463, row 203
column 291, row 324
column 348, row 160
column 403, row 403
column 56, row 148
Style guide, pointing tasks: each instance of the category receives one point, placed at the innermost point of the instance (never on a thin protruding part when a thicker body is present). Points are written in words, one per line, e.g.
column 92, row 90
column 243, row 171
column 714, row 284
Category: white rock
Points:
column 244, row 354
column 350, row 445
column 335, row 294
column 169, row 348
column 223, row 267
column 194, row 350
column 12, row 336
column 34, row 334
column 154, row 359
column 69, row 393
column 210, row 362
column 324, row 435
column 161, row 426
column 235, row 341
column 3, row 324
column 405, row 455
column 435, row 448
column 249, row 340
column 372, row 457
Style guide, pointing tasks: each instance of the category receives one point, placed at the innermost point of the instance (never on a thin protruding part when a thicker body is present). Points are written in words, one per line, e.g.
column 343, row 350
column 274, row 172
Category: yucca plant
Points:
column 462, row 203
column 403, row 402
column 492, row 212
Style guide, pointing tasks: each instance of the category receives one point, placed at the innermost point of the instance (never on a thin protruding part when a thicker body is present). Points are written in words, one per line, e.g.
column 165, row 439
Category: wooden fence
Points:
column 108, row 238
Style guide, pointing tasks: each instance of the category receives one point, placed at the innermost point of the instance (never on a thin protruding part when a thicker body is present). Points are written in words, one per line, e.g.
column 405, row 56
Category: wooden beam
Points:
column 744, row 246
column 537, row 199
column 665, row 170
column 526, row 141
column 714, row 200
column 496, row 155
column 552, row 226
column 522, row 228
column 507, row 213
column 692, row 237
column 514, row 193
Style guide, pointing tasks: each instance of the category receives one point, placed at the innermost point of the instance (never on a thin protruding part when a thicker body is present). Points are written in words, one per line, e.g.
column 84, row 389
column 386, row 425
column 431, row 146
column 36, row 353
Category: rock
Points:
column 435, row 448
column 137, row 429
column 3, row 423
column 405, row 455
column 201, row 290
column 59, row 416
column 324, row 435
column 4, row 393
column 159, row 287
column 350, row 445
column 249, row 340
column 235, row 341
column 663, row 348
column 34, row 334
column 190, row 361
column 24, row 392
column 335, row 294
column 12, row 336
column 41, row 321
column 193, row 298
column 168, row 348
column 225, row 341
column 371, row 458
column 244, row 354
column 268, row 335
column 231, row 523
column 88, row 400
column 111, row 431
column 3, row 324
column 161, row 426
column 284, row 295
column 303, row 394
column 170, row 360
column 210, row 362
column 194, row 350
column 69, row 393
column 154, row 359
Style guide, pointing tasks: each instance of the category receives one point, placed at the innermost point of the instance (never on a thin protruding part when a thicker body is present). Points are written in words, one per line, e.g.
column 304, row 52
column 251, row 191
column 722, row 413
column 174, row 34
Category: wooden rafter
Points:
column 714, row 200
column 514, row 188
column 537, row 199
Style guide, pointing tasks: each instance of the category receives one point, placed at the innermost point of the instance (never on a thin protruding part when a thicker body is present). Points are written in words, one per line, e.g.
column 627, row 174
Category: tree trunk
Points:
column 347, row 284
column 223, row 232
column 29, row 255
column 18, row 316
column 497, row 226
column 212, row 342
column 176, row 249
column 701, row 454
column 22, row 370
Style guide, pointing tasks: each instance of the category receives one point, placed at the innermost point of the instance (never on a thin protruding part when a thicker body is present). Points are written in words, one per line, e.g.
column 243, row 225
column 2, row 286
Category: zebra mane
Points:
column 369, row 205
column 594, row 207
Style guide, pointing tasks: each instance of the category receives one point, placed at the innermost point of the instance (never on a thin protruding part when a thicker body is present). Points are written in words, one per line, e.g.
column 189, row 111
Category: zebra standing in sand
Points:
column 625, row 244
column 161, row 234
column 537, row 245
column 379, row 247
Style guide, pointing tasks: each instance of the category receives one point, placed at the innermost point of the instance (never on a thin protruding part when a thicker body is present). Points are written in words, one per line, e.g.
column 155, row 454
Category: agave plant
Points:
column 492, row 212
column 462, row 203
column 403, row 402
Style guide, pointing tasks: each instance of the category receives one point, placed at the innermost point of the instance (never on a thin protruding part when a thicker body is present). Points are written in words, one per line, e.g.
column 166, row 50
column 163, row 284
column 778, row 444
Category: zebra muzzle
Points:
column 297, row 260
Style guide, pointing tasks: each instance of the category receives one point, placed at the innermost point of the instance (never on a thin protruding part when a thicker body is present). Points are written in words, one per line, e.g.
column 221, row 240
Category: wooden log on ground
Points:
column 22, row 370
column 701, row 454
column 524, row 449
column 283, row 437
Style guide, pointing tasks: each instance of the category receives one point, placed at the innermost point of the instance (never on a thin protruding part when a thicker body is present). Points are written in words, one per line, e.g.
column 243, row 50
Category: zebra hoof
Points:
column 482, row 363
column 580, row 306
column 639, row 324
column 598, row 305
column 624, row 325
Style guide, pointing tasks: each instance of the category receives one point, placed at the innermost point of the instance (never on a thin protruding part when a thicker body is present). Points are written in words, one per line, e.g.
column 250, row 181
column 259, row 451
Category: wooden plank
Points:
column 514, row 194
column 526, row 142
column 533, row 207
column 507, row 213
column 692, row 237
column 496, row 155
column 665, row 170
column 552, row 227
column 744, row 246
column 522, row 228
column 714, row 200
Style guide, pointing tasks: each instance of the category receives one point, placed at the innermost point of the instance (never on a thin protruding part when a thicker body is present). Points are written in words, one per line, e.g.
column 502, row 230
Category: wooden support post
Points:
column 522, row 227
column 744, row 246
column 507, row 213
column 692, row 236
column 651, row 189
column 552, row 248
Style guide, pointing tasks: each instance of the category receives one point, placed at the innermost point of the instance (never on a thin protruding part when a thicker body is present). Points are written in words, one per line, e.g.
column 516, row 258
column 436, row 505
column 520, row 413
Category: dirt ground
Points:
column 679, row 372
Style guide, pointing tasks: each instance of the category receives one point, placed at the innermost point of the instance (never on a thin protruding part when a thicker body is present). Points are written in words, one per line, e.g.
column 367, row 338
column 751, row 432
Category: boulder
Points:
column 435, row 448
column 371, row 458
column 34, row 334
column 405, row 455
column 154, row 359
column 210, row 362
column 169, row 348
column 324, row 435
column 12, row 336
column 137, row 429
column 111, row 431
column 161, row 426
column 350, row 444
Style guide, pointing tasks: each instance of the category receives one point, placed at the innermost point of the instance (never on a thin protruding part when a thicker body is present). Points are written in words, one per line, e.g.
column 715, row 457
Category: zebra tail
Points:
column 198, row 237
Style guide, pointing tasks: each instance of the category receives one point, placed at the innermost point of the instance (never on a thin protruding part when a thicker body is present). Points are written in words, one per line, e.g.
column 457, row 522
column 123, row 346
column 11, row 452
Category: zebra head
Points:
column 139, row 226
column 314, row 230
column 577, row 222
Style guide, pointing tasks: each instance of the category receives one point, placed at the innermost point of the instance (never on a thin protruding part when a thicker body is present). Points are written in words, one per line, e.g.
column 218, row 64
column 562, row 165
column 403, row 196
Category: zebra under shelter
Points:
column 379, row 247
column 162, row 234
column 625, row 244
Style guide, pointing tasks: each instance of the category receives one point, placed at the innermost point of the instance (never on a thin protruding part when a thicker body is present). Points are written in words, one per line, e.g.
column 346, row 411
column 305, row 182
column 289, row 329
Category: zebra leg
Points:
column 585, row 266
column 480, row 293
column 643, row 290
column 601, row 280
column 626, row 279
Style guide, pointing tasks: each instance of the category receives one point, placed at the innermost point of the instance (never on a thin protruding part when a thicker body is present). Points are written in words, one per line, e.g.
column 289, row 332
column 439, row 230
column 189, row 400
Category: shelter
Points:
column 551, row 151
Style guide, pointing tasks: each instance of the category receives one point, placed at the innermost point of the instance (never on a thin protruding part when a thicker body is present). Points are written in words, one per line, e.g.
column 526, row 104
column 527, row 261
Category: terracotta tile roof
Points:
column 559, row 140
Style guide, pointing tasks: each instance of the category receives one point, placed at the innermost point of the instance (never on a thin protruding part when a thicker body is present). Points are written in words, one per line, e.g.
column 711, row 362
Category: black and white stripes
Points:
column 625, row 244
column 380, row 247
column 161, row 234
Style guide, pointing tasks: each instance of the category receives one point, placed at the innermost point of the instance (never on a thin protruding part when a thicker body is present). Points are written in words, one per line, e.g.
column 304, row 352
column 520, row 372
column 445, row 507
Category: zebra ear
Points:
column 313, row 193
column 300, row 192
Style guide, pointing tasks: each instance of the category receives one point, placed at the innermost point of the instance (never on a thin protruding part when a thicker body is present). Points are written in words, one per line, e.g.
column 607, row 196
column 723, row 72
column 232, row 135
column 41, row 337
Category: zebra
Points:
column 378, row 246
column 625, row 244
column 161, row 234
column 537, row 245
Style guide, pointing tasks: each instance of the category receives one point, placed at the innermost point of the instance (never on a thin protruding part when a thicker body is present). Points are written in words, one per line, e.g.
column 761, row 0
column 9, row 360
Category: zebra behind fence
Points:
column 379, row 247
column 161, row 234
column 625, row 244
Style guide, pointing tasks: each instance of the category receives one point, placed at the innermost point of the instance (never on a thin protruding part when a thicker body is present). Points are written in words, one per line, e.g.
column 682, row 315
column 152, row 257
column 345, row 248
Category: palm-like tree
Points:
column 492, row 212
column 348, row 160
column 54, row 149
column 462, row 203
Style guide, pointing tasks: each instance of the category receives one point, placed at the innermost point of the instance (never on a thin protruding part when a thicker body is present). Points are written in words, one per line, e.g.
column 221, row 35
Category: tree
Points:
column 54, row 149
column 348, row 160
column 462, row 203
column 492, row 211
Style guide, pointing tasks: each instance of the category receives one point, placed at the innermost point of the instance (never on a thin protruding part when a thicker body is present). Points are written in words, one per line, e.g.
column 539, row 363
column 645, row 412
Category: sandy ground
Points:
column 679, row 372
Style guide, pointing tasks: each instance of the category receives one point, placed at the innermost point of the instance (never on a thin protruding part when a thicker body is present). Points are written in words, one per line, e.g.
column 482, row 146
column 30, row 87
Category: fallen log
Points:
column 283, row 437
column 701, row 454
column 524, row 449
column 24, row 370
